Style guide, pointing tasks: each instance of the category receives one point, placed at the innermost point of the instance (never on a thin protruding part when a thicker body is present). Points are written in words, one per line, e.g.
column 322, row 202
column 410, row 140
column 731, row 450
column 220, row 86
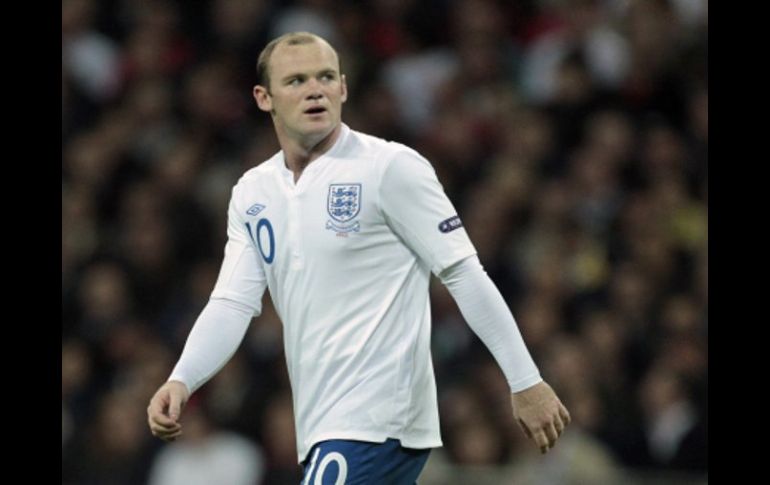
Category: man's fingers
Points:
column 541, row 415
column 566, row 418
column 165, row 433
column 161, row 428
column 551, row 434
column 546, row 436
column 174, row 407
column 157, row 419
column 164, row 410
column 559, row 425
column 542, row 441
column 173, row 436
column 164, row 428
column 156, row 416
column 538, row 436
column 525, row 428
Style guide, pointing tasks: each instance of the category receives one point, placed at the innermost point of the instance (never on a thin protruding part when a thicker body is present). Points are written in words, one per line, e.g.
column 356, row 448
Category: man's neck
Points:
column 298, row 155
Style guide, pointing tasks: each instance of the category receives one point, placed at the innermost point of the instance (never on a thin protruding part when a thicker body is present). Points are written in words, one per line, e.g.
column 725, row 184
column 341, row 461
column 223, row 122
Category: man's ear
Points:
column 263, row 98
column 344, row 87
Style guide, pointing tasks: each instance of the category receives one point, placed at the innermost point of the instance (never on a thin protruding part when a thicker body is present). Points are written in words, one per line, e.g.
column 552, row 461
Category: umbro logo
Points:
column 255, row 209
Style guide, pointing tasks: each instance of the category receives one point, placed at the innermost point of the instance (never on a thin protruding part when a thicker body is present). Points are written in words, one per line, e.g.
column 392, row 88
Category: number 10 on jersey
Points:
column 257, row 236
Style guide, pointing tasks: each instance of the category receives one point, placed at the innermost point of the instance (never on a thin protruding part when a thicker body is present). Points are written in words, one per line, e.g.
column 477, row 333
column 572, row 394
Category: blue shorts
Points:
column 347, row 462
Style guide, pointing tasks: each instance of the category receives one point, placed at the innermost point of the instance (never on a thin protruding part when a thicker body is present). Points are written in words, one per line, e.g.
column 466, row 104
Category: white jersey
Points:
column 347, row 253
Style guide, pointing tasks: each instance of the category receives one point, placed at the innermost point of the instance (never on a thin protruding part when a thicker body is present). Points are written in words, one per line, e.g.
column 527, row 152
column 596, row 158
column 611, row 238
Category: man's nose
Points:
column 314, row 89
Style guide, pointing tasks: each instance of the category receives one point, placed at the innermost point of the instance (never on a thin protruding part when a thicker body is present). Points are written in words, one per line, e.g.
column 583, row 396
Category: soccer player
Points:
column 344, row 229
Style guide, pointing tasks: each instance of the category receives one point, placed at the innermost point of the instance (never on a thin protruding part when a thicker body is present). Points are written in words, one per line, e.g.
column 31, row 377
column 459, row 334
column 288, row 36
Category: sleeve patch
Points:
column 450, row 224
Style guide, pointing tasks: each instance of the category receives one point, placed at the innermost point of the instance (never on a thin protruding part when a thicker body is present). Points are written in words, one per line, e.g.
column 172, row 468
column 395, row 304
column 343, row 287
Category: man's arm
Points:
column 536, row 407
column 218, row 331
column 214, row 338
column 418, row 210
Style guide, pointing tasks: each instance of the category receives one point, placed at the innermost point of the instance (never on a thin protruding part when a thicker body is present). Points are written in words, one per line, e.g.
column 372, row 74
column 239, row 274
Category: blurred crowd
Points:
column 572, row 136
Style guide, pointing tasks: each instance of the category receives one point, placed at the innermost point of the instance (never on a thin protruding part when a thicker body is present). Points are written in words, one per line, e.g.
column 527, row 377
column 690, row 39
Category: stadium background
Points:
column 572, row 136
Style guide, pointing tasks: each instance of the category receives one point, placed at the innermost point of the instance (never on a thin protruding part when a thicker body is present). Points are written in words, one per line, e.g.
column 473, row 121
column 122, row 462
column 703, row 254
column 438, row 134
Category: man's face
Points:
column 306, row 90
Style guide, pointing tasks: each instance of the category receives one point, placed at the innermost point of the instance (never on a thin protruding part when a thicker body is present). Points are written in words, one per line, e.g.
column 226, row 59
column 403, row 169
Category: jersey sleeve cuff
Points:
column 525, row 383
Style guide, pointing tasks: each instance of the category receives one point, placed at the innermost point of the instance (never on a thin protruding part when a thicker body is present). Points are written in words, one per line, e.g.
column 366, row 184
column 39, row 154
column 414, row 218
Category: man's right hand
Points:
column 165, row 408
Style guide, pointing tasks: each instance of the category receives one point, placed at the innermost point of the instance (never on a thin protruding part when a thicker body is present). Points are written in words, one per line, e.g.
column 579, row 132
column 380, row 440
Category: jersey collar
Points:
column 316, row 164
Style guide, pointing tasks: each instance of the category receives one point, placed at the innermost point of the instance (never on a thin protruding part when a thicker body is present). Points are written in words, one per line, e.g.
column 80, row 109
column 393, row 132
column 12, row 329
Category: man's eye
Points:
column 295, row 82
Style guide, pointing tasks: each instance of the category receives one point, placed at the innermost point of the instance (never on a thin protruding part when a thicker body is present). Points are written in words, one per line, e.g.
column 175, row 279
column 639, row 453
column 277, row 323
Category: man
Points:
column 345, row 229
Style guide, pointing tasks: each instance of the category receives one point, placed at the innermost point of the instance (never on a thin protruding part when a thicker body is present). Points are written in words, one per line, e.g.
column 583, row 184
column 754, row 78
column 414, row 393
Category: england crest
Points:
column 343, row 205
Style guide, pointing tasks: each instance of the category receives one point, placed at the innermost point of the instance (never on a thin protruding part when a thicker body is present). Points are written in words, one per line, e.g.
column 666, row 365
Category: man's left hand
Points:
column 540, row 414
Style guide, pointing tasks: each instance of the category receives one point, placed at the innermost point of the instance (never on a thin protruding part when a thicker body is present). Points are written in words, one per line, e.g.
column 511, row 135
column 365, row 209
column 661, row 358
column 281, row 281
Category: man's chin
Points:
column 318, row 128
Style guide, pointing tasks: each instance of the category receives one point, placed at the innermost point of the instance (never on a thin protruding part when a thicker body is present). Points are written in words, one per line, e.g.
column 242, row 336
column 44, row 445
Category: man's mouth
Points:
column 315, row 110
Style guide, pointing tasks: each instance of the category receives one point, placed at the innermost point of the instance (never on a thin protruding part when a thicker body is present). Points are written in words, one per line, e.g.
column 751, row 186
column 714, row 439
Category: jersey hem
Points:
column 370, row 437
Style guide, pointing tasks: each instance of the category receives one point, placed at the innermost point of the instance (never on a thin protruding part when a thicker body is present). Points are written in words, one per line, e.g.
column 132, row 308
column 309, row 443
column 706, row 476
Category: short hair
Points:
column 292, row 38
